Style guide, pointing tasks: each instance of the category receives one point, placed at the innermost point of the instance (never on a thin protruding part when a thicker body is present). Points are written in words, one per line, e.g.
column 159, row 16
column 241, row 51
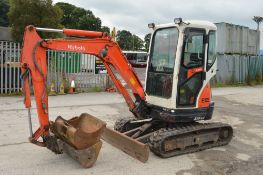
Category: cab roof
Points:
column 190, row 23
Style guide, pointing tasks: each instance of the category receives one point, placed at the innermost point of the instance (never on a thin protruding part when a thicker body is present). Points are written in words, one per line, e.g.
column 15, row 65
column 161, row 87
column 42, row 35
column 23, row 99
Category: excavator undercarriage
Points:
column 167, row 140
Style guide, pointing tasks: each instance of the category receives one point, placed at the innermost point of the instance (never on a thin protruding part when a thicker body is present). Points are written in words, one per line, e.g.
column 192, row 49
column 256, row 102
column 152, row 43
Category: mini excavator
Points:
column 168, row 112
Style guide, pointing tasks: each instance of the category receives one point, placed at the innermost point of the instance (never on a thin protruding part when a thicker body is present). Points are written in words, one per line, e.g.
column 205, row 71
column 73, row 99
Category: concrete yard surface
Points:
column 242, row 107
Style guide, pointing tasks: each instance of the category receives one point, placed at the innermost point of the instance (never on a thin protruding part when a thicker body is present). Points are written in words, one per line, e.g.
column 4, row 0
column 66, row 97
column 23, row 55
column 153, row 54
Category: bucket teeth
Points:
column 86, row 157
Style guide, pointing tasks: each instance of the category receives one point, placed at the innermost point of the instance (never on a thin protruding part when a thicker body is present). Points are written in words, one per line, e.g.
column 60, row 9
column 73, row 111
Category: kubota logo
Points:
column 76, row 48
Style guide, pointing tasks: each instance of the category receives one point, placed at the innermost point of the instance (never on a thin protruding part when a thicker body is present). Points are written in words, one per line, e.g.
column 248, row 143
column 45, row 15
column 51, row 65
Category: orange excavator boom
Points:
column 33, row 62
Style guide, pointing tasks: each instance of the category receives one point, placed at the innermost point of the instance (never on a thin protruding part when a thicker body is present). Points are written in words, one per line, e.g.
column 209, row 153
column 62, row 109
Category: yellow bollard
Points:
column 52, row 91
column 61, row 89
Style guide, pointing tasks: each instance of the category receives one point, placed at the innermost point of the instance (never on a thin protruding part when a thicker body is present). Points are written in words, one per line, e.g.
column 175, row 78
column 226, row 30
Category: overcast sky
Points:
column 135, row 15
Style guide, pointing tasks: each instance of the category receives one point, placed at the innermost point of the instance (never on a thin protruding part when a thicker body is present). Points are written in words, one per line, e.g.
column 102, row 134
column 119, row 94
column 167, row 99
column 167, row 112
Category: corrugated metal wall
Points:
column 237, row 50
column 237, row 68
column 235, row 39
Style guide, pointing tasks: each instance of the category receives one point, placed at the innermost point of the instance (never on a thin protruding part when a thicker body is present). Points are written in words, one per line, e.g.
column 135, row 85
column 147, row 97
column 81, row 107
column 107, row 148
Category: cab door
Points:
column 191, row 72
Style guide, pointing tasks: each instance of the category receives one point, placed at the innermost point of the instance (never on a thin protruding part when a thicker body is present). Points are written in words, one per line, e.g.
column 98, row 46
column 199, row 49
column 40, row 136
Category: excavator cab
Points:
column 182, row 61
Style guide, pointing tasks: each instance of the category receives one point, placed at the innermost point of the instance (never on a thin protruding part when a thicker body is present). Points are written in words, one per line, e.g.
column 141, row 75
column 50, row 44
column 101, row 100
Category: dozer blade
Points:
column 79, row 137
column 128, row 145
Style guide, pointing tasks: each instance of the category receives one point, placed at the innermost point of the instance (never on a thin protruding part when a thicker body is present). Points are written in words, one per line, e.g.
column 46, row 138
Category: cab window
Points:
column 193, row 55
column 163, row 51
column 211, row 55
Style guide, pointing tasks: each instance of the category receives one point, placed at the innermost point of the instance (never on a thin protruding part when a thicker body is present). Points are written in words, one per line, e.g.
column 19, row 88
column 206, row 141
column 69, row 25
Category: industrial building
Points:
column 238, row 61
column 236, row 39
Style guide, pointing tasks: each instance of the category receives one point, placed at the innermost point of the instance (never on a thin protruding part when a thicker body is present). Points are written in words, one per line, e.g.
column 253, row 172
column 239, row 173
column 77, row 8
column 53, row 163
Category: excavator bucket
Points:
column 80, row 137
column 80, row 132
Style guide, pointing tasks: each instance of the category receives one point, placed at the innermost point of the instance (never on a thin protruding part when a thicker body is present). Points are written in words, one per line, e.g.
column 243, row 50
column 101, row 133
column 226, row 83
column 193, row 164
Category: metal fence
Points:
column 9, row 67
column 62, row 68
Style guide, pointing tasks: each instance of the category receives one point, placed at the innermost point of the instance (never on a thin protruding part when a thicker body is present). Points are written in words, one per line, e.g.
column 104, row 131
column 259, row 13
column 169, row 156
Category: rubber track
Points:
column 158, row 137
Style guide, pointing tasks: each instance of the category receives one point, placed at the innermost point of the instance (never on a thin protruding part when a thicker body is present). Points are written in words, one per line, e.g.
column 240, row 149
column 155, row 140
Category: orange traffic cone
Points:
column 111, row 89
column 72, row 89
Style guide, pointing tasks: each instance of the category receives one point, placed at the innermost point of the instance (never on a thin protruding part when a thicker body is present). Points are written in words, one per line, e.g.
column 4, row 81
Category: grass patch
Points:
column 250, row 83
column 95, row 89
column 11, row 94
column 254, row 83
column 92, row 89
column 219, row 85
